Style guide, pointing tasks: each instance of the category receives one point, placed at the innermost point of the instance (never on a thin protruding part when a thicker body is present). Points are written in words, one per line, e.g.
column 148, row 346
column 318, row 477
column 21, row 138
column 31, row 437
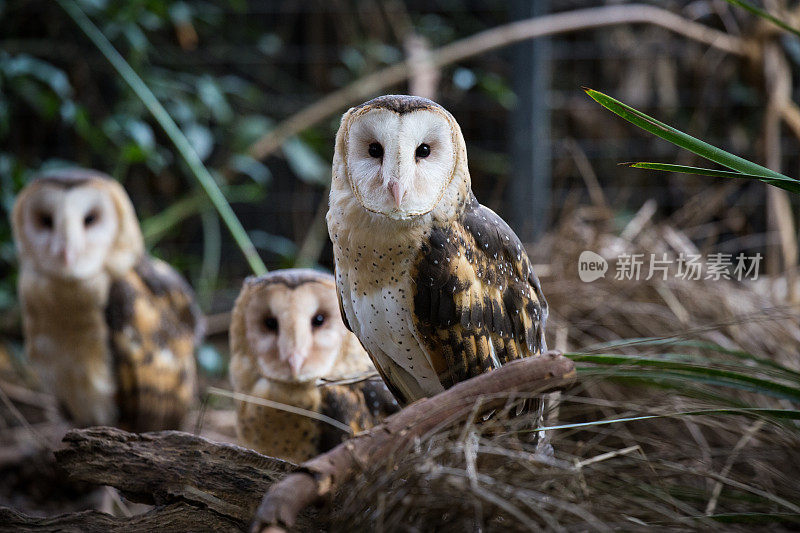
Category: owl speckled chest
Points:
column 278, row 433
column 377, row 297
column 67, row 339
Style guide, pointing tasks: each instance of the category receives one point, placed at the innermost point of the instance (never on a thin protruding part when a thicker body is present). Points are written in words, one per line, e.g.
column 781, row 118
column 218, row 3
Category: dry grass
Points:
column 742, row 316
column 667, row 473
column 731, row 470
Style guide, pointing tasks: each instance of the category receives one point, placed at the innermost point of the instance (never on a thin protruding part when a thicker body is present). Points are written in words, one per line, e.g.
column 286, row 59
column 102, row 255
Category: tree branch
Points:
column 320, row 476
column 582, row 19
column 168, row 467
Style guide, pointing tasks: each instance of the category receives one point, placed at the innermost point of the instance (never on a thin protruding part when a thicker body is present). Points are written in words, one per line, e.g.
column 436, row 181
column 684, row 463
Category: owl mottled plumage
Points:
column 110, row 331
column 287, row 343
column 154, row 326
column 477, row 303
column 436, row 286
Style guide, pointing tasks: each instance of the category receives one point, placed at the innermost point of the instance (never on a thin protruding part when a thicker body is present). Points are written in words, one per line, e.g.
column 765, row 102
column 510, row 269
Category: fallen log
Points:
column 194, row 484
column 167, row 466
column 198, row 485
column 320, row 477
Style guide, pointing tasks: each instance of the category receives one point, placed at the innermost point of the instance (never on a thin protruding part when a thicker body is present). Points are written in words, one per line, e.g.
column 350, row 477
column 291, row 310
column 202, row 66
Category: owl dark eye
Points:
column 90, row 218
column 318, row 320
column 376, row 150
column 45, row 220
column 423, row 150
column 271, row 323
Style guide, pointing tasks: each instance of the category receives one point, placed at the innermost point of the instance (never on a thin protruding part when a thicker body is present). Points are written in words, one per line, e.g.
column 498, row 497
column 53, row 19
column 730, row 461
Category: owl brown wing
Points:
column 360, row 405
column 477, row 302
column 154, row 326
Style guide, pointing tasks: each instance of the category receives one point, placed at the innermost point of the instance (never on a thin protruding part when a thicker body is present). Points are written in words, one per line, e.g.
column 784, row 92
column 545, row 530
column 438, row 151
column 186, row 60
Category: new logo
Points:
column 591, row 266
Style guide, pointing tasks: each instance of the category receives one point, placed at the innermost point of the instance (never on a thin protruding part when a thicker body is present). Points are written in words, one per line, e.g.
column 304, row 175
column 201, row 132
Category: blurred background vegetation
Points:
column 541, row 154
column 229, row 71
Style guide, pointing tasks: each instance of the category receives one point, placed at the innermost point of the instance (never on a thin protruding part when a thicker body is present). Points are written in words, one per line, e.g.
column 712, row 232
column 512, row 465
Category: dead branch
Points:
column 28, row 396
column 320, row 476
column 218, row 484
column 780, row 219
column 194, row 484
column 424, row 78
column 218, row 323
column 582, row 19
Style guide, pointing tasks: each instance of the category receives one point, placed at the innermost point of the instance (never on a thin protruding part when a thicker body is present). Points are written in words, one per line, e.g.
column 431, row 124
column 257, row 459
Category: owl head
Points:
column 75, row 224
column 400, row 156
column 287, row 327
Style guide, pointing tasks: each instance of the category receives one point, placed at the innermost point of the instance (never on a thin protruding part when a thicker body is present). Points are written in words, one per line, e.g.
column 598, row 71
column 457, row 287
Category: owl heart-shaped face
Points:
column 293, row 329
column 399, row 164
column 69, row 231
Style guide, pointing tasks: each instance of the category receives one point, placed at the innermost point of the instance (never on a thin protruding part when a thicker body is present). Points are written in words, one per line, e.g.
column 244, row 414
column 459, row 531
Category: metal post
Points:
column 529, row 191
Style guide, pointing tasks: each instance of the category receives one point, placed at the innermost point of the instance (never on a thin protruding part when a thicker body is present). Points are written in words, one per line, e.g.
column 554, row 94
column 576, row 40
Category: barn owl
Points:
column 287, row 338
column 110, row 331
column 436, row 286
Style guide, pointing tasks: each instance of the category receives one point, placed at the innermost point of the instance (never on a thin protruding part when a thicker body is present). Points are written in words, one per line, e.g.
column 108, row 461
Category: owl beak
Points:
column 398, row 192
column 296, row 360
column 65, row 253
column 68, row 256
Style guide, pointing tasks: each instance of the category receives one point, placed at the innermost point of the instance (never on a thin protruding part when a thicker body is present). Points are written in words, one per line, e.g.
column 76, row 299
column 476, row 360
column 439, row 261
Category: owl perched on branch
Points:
column 436, row 286
column 110, row 331
column 287, row 340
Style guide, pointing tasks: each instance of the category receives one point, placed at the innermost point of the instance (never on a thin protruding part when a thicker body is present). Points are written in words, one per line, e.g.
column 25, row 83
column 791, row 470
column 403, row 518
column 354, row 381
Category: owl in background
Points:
column 110, row 331
column 287, row 338
column 436, row 286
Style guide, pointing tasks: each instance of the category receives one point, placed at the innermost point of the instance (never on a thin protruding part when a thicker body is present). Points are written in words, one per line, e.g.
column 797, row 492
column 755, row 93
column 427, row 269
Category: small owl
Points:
column 109, row 330
column 287, row 337
column 436, row 286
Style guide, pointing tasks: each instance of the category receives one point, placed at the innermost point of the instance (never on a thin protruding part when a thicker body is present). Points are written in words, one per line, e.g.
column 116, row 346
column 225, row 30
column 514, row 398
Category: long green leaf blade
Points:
column 764, row 14
column 788, row 184
column 693, row 343
column 182, row 144
column 723, row 376
column 683, row 140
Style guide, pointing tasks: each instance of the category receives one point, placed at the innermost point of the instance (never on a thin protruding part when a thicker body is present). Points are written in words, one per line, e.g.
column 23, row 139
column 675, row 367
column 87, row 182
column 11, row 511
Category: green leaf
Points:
column 305, row 163
column 788, row 183
column 763, row 14
column 214, row 99
column 253, row 168
column 249, row 129
column 180, row 13
column 683, row 140
column 44, row 72
column 200, row 138
column 701, row 371
column 741, row 357
column 274, row 243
